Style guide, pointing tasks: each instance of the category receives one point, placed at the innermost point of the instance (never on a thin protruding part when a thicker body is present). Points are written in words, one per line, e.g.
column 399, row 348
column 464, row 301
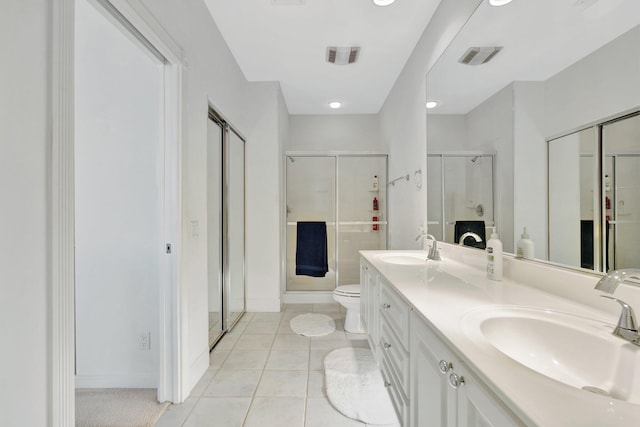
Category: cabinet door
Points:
column 476, row 405
column 433, row 401
column 365, row 296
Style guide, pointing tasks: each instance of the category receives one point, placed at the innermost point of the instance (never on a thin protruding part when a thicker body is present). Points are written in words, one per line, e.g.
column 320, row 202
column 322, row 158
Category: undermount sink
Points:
column 404, row 258
column 574, row 350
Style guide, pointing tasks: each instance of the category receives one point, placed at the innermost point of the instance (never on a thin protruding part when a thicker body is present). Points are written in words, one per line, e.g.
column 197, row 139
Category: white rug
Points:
column 312, row 324
column 355, row 386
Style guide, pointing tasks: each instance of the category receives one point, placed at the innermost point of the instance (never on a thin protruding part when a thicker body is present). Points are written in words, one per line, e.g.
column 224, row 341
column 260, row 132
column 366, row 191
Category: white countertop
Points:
column 444, row 292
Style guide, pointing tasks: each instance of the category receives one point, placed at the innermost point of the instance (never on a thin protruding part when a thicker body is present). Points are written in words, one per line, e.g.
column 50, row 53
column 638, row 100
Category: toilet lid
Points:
column 348, row 290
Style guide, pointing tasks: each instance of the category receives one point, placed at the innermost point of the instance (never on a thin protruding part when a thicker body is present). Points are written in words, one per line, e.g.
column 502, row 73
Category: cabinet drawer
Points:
column 396, row 312
column 398, row 401
column 396, row 356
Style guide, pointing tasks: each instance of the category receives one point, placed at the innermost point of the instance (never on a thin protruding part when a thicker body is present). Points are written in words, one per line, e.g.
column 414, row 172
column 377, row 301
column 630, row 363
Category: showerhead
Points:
column 291, row 159
column 475, row 159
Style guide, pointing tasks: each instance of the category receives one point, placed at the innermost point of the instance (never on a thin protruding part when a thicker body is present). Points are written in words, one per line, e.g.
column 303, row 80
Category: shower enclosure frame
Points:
column 442, row 155
column 326, row 296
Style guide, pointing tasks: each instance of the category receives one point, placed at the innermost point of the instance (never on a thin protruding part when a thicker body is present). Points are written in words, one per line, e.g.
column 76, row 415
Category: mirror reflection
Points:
column 560, row 76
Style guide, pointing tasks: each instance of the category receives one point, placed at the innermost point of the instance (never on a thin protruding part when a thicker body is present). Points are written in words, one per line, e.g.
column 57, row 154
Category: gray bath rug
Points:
column 355, row 387
column 312, row 325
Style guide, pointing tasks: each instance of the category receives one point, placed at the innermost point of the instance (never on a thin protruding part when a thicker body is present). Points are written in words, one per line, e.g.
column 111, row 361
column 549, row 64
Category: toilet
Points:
column 349, row 297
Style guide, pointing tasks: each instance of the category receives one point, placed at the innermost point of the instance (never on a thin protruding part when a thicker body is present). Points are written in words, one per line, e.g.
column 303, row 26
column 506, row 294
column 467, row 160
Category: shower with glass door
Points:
column 348, row 194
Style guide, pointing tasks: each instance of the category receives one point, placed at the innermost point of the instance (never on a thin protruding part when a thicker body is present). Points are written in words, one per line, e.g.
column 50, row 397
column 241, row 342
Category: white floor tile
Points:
column 326, row 308
column 329, row 342
column 227, row 342
column 276, row 412
column 240, row 360
column 233, row 384
column 291, row 342
column 283, row 384
column 199, row 388
column 299, row 308
column 316, row 386
column 316, row 359
column 262, row 328
column 218, row 411
column 254, row 342
column 217, row 358
column 266, row 317
column 175, row 415
column 293, row 360
column 320, row 413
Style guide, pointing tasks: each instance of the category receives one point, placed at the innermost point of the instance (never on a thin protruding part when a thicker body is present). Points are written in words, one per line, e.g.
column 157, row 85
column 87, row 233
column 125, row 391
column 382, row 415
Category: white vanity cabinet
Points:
column 444, row 392
column 393, row 347
column 428, row 385
column 369, row 295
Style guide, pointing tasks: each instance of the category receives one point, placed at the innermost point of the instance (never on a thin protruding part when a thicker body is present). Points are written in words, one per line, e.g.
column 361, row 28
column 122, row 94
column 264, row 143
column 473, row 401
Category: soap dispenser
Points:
column 494, row 257
column 524, row 246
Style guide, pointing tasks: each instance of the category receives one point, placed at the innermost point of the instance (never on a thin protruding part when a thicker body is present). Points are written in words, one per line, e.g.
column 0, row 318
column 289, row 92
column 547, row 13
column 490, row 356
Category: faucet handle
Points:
column 627, row 319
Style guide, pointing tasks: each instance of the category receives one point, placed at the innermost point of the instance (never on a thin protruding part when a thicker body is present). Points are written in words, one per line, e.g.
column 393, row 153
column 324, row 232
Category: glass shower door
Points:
column 621, row 148
column 311, row 196
column 362, row 224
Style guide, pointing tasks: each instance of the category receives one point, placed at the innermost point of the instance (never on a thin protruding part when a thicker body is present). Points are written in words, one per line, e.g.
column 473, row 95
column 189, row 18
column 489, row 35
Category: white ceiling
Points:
column 540, row 38
column 287, row 43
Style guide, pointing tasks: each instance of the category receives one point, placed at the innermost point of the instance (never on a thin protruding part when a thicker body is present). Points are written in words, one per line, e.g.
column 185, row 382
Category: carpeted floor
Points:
column 117, row 407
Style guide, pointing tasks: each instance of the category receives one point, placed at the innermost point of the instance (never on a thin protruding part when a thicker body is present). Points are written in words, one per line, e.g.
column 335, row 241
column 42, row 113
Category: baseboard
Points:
column 263, row 305
column 198, row 368
column 311, row 297
column 117, row 381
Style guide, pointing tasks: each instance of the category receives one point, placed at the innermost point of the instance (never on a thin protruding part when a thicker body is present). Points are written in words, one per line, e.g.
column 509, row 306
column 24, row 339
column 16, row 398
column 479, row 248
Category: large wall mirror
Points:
column 547, row 82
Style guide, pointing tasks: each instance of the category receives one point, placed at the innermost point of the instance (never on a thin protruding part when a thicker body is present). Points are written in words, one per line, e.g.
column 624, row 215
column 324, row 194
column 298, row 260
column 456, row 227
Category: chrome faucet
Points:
column 477, row 238
column 434, row 253
column 627, row 327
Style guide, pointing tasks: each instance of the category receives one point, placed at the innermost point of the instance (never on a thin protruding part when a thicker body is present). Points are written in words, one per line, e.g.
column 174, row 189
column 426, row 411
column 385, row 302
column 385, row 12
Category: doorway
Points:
column 225, row 225
column 120, row 204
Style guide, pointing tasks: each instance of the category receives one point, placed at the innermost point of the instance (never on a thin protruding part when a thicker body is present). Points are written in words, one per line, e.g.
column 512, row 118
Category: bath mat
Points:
column 355, row 387
column 312, row 324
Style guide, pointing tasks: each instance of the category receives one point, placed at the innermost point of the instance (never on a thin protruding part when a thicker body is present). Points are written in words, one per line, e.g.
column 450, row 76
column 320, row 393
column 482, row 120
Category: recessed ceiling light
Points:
column 432, row 104
column 335, row 104
column 383, row 2
column 499, row 2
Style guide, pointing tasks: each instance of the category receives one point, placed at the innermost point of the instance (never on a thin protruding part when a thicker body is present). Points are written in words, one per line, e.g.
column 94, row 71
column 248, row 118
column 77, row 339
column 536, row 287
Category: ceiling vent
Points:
column 479, row 55
column 342, row 55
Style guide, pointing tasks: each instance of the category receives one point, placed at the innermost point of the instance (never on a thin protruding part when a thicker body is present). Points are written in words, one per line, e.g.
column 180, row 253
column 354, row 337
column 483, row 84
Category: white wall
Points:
column 24, row 220
column 323, row 133
column 490, row 129
column 403, row 122
column 117, row 156
column 604, row 83
column 213, row 76
column 530, row 165
column 211, row 73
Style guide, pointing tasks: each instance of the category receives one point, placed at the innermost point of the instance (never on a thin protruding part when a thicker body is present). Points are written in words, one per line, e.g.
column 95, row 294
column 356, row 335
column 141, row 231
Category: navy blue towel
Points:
column 311, row 249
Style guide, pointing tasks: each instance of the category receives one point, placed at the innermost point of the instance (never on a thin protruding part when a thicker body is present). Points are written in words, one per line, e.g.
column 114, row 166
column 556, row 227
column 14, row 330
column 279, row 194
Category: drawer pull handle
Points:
column 445, row 366
column 386, row 306
column 386, row 346
column 387, row 384
column 456, row 380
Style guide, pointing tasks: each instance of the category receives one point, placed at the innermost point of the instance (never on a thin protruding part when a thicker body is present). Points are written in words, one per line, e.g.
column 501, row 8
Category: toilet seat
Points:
column 351, row 291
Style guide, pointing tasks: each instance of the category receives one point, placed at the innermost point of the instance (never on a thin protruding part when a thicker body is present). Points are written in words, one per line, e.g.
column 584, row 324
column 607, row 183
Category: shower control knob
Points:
column 386, row 306
column 386, row 346
column 445, row 366
column 387, row 384
column 456, row 380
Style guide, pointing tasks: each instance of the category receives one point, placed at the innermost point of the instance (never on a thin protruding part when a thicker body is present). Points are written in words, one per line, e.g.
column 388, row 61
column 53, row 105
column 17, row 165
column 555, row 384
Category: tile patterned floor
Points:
column 263, row 375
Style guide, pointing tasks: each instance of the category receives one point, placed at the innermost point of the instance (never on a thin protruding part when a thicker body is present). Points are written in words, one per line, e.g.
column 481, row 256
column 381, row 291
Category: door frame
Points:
column 172, row 381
